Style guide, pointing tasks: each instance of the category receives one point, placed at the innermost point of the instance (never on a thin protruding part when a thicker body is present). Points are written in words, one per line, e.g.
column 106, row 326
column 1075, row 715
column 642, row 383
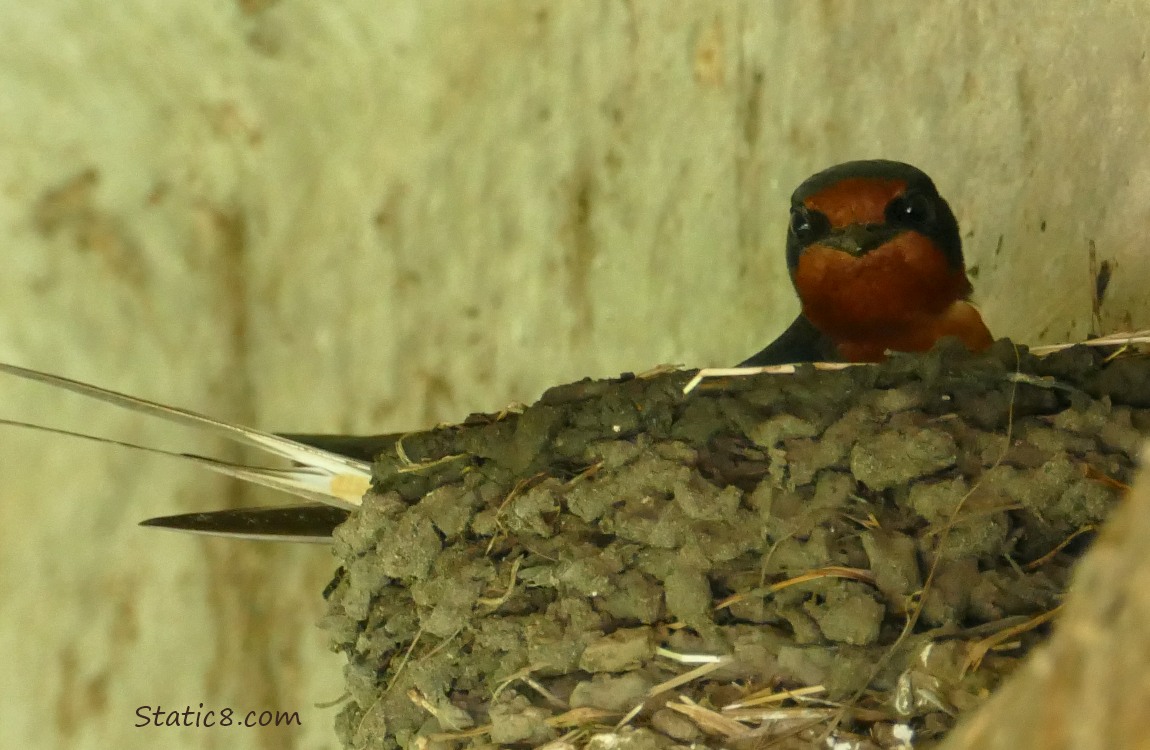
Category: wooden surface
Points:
column 1087, row 688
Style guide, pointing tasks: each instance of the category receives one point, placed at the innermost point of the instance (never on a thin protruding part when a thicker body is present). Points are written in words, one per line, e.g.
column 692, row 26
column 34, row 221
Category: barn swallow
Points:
column 875, row 256
column 872, row 249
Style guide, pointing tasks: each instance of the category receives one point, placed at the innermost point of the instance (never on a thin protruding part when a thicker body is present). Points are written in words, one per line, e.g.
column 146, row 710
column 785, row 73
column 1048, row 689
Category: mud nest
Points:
column 768, row 559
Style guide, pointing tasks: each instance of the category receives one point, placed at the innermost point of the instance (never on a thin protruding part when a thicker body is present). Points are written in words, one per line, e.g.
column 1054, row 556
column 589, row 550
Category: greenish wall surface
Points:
column 377, row 216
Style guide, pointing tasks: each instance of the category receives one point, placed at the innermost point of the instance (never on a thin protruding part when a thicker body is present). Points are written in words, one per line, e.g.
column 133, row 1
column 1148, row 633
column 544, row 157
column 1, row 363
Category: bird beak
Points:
column 859, row 239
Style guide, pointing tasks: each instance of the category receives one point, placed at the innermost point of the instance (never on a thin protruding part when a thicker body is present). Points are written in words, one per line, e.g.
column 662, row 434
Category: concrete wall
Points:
column 375, row 216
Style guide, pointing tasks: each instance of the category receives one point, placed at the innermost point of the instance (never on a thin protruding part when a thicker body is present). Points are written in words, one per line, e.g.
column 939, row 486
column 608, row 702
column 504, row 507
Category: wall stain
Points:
column 386, row 217
column 82, row 698
column 226, row 235
column 240, row 665
column 240, row 604
column 230, row 122
column 438, row 397
column 1027, row 113
column 710, row 59
column 579, row 250
column 970, row 87
column 1101, row 273
column 752, row 110
column 253, row 7
column 79, row 698
column 748, row 180
column 71, row 209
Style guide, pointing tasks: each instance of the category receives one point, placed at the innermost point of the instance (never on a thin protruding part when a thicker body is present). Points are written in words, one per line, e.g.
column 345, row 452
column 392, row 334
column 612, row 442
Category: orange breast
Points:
column 960, row 320
column 903, row 296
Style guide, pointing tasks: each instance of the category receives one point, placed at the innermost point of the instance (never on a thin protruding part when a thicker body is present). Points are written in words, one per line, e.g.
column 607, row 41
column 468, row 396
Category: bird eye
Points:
column 808, row 225
column 910, row 208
